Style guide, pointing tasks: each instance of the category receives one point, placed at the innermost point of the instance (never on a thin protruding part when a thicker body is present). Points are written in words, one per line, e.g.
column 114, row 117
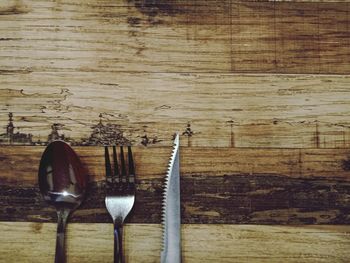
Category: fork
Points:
column 120, row 194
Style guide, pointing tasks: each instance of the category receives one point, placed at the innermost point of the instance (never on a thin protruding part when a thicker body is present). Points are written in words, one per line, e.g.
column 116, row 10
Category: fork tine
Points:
column 122, row 164
column 131, row 166
column 108, row 165
column 115, row 164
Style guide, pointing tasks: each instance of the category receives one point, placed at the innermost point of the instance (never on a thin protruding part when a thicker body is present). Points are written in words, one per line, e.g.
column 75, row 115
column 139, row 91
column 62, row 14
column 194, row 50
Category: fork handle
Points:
column 118, row 243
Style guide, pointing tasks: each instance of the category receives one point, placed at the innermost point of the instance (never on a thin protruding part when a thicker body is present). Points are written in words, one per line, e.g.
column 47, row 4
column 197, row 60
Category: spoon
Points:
column 62, row 183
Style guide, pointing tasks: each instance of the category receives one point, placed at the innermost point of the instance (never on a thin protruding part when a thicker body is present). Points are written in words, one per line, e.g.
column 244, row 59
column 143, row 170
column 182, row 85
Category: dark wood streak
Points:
column 153, row 8
column 253, row 199
column 13, row 10
column 15, row 72
column 346, row 164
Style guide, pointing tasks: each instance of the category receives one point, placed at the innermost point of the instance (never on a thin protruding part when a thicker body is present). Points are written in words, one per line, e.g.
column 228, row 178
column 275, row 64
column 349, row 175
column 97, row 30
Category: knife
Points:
column 171, row 217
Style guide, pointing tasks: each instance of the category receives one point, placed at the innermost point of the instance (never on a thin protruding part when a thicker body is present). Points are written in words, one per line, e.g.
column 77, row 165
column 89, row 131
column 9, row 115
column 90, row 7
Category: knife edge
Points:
column 171, row 219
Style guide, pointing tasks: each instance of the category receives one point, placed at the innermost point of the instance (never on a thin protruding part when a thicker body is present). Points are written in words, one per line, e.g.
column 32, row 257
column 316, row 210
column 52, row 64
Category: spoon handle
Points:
column 60, row 256
column 118, row 243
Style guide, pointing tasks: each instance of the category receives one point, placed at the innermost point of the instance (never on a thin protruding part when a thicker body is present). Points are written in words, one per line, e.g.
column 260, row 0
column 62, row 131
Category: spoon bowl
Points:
column 62, row 182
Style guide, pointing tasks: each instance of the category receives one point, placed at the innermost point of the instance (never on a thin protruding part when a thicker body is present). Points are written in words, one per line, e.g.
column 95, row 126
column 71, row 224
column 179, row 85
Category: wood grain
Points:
column 218, row 185
column 19, row 164
column 297, row 111
column 290, row 37
column 135, row 71
column 174, row 36
column 34, row 242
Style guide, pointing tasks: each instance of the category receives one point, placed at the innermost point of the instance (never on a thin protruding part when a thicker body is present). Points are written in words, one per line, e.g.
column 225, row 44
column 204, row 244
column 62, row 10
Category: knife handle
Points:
column 118, row 243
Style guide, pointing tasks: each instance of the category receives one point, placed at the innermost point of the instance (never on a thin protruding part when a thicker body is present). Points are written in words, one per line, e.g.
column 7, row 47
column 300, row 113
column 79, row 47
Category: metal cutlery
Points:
column 62, row 183
column 120, row 194
column 171, row 218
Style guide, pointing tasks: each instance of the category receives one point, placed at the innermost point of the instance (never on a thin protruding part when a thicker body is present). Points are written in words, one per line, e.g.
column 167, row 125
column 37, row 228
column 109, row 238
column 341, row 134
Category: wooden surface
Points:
column 259, row 91
column 218, row 185
column 178, row 62
column 200, row 243
column 174, row 36
column 223, row 110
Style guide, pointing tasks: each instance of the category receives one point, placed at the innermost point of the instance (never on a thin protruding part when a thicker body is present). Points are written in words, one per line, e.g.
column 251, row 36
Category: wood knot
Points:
column 36, row 227
column 346, row 164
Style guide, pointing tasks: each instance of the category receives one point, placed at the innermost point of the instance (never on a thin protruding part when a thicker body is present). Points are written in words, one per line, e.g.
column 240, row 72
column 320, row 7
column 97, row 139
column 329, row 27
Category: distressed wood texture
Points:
column 218, row 185
column 135, row 71
column 228, row 110
column 259, row 91
column 200, row 243
column 174, row 36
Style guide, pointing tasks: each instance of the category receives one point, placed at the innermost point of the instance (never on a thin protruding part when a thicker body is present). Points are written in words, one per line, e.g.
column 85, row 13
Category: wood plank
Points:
column 175, row 36
column 219, row 185
column 290, row 38
column 297, row 111
column 19, row 164
column 29, row 242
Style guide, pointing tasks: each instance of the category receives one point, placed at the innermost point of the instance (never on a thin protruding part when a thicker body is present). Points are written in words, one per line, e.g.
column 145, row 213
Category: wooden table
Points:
column 259, row 92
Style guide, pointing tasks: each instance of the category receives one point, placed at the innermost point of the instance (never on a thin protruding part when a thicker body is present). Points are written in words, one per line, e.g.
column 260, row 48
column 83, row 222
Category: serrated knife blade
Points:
column 171, row 217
